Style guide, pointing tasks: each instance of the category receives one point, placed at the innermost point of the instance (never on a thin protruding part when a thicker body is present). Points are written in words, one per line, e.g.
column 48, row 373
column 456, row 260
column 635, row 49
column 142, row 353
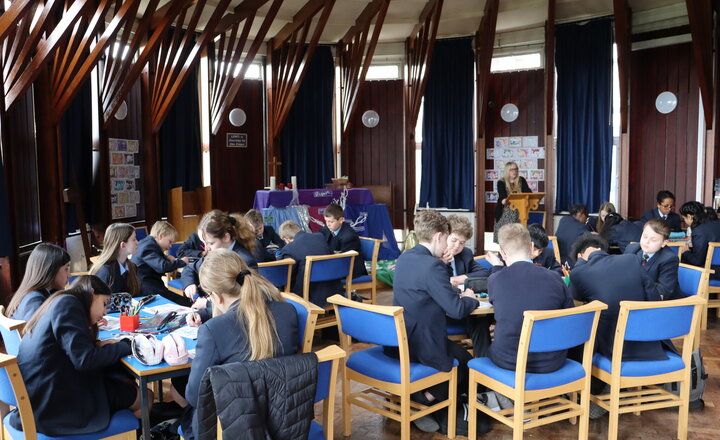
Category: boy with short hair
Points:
column 341, row 237
column 265, row 233
column 540, row 253
column 569, row 229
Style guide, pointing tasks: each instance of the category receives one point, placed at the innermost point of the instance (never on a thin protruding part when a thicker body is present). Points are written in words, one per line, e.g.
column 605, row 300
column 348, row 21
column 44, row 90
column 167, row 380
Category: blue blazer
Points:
column 508, row 289
column 547, row 260
column 63, row 371
column 270, row 236
column 625, row 232
column 110, row 274
column 346, row 240
column 422, row 287
column 466, row 265
column 611, row 279
column 191, row 273
column 224, row 339
column 673, row 219
column 152, row 264
column 701, row 236
column 662, row 269
column 192, row 247
column 568, row 231
column 30, row 303
column 303, row 245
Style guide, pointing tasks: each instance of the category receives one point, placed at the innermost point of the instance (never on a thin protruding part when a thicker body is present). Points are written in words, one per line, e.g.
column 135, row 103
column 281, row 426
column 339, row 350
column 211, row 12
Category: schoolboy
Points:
column 540, row 253
column 341, row 237
column 569, row 229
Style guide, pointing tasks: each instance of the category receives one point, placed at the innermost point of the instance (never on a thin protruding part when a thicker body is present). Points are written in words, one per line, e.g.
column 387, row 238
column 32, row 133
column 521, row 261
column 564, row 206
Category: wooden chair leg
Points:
column 472, row 407
column 704, row 317
column 584, row 428
column 683, row 410
column 405, row 416
column 518, row 419
column 373, row 296
column 573, row 398
column 614, row 413
column 347, row 418
column 452, row 409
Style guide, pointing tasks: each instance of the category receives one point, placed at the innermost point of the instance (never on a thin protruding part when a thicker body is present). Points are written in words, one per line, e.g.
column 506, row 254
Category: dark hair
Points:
column 697, row 211
column 42, row 266
column 664, row 194
column 585, row 241
column 611, row 220
column 334, row 210
column 538, row 236
column 217, row 223
column 84, row 288
column 578, row 209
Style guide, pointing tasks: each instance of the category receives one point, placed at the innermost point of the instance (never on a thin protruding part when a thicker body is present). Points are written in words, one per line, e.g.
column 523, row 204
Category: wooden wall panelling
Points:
column 375, row 156
column 550, row 148
column 289, row 55
column 418, row 54
column 663, row 148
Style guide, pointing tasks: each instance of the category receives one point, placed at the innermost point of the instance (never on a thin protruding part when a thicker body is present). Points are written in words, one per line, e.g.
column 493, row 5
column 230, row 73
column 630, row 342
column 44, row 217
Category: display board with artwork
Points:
column 524, row 151
column 124, row 155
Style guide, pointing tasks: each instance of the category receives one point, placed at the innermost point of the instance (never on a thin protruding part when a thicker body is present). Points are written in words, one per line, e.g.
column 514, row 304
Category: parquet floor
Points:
column 655, row 425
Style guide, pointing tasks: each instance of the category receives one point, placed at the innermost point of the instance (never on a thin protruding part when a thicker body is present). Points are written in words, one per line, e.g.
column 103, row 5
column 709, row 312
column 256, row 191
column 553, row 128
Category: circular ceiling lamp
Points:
column 370, row 119
column 509, row 112
column 237, row 117
column 666, row 102
column 122, row 111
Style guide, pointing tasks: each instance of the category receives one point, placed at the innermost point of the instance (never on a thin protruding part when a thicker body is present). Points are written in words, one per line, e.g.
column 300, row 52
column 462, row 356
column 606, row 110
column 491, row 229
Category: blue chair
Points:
column 174, row 248
column 141, row 232
column 11, row 330
column 713, row 286
column 307, row 314
column 536, row 217
column 482, row 261
column 553, row 244
column 370, row 248
column 122, row 426
column 539, row 397
column 176, row 286
column 279, row 273
column 636, row 386
column 327, row 268
column 390, row 380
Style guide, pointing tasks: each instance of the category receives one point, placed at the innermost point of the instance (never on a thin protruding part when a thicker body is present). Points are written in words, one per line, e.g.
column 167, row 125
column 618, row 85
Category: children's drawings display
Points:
column 522, row 150
column 124, row 177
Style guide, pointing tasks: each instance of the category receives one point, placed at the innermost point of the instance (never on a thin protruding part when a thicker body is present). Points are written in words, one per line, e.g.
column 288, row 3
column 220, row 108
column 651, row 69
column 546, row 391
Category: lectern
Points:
column 524, row 202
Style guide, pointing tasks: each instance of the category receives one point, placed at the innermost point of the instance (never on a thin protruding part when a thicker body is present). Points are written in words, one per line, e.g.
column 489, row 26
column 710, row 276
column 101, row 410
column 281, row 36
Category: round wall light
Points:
column 122, row 111
column 237, row 117
column 509, row 112
column 666, row 102
column 370, row 119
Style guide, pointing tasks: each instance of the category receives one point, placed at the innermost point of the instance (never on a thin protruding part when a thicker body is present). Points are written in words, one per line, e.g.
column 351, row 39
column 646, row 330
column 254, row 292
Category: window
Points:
column 516, row 62
column 385, row 71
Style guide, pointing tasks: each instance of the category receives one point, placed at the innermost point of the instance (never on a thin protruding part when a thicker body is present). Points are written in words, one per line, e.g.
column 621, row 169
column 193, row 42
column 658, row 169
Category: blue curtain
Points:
column 180, row 148
column 583, row 59
column 306, row 146
column 448, row 168
column 5, row 237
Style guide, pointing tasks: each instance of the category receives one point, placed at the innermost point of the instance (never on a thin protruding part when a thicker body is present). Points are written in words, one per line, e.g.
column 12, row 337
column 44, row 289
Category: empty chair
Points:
column 553, row 244
column 370, row 247
column 536, row 217
column 712, row 291
column 141, row 232
column 482, row 261
column 327, row 268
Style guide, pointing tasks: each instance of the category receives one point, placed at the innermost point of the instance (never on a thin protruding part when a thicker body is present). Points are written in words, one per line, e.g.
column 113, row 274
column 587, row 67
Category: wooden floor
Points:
column 655, row 425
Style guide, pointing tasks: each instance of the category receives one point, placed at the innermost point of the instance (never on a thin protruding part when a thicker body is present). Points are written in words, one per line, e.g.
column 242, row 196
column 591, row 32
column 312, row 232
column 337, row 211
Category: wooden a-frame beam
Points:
column 623, row 38
column 13, row 15
column 700, row 15
column 549, row 115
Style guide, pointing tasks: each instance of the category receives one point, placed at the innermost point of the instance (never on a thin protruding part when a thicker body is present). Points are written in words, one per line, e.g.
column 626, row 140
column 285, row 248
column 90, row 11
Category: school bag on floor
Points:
column 698, row 381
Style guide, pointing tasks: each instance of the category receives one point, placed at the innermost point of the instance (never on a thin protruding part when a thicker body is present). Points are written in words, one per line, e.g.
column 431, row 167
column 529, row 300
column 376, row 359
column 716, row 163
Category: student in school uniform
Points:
column 298, row 246
column 113, row 266
column 619, row 232
column 47, row 271
column 221, row 231
column 152, row 263
column 664, row 210
column 594, row 224
column 252, row 322
column 63, row 365
column 341, row 237
column 705, row 229
column 193, row 247
column 265, row 233
column 540, row 253
column 659, row 260
column 569, row 229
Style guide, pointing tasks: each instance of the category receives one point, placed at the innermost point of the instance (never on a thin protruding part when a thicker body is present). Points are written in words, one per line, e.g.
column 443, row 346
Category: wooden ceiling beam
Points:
column 484, row 42
column 13, row 15
column 307, row 12
column 700, row 15
column 623, row 35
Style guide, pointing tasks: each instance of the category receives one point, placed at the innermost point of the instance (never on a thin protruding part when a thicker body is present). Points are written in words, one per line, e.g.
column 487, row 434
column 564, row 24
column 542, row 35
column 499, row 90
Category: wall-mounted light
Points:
column 666, row 102
column 237, row 117
column 122, row 111
column 370, row 119
column 509, row 112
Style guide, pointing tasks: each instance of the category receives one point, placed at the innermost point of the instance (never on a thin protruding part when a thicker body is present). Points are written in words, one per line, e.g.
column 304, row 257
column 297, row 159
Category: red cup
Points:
column 129, row 323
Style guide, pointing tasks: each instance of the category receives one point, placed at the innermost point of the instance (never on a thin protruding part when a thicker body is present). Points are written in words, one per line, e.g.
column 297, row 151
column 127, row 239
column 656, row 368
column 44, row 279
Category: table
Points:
column 149, row 373
column 484, row 310
column 311, row 197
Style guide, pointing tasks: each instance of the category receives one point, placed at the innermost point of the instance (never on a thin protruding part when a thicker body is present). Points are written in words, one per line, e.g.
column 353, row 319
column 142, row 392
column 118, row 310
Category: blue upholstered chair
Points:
column 390, row 380
column 174, row 248
column 11, row 330
column 279, row 273
column 482, row 261
column 176, row 286
column 539, row 397
column 327, row 268
column 122, row 424
column 370, row 247
column 553, row 244
column 141, row 232
column 536, row 217
column 712, row 292
column 307, row 314
column 636, row 386
column 692, row 279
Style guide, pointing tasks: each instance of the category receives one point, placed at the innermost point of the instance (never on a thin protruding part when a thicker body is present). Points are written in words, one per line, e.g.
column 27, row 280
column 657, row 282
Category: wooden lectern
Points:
column 524, row 202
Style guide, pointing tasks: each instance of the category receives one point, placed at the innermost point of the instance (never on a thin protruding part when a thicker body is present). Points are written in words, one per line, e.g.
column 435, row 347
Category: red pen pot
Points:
column 129, row 323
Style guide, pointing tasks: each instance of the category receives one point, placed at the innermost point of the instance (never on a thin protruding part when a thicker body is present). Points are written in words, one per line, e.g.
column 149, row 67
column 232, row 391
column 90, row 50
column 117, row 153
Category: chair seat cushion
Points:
column 316, row 431
column 642, row 368
column 358, row 280
column 374, row 363
column 569, row 372
column 456, row 329
column 120, row 422
column 176, row 284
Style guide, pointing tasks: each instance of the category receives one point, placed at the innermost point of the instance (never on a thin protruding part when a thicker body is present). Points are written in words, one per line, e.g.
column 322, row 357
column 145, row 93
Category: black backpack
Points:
column 698, row 381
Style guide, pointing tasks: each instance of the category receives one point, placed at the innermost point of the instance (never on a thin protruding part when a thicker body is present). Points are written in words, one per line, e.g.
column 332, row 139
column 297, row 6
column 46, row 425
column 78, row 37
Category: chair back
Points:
column 553, row 244
column 657, row 320
column 279, row 273
column 691, row 279
column 536, row 217
column 482, row 261
column 325, row 374
column 14, row 393
column 562, row 330
column 141, row 232
column 370, row 248
column 713, row 255
column 11, row 330
column 330, row 267
column 379, row 325
column 174, row 248
column 307, row 314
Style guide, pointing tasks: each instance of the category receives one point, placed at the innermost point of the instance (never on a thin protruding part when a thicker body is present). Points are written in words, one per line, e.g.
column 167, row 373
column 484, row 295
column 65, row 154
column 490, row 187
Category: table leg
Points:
column 144, row 408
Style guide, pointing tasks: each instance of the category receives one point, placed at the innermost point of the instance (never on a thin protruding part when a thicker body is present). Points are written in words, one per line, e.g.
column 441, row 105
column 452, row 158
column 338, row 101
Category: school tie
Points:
column 664, row 217
column 645, row 258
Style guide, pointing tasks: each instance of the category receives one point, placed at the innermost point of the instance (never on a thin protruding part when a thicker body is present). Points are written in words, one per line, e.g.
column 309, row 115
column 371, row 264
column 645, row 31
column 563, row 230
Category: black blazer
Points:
column 547, row 260
column 270, row 236
column 701, row 236
column 625, row 232
column 611, row 279
column 110, row 274
column 422, row 287
column 465, row 264
column 503, row 193
column 567, row 232
column 63, row 371
column 673, row 219
column 508, row 289
column 30, row 303
column 152, row 265
column 192, row 247
column 223, row 340
column 346, row 240
column 662, row 269
column 191, row 273
column 303, row 245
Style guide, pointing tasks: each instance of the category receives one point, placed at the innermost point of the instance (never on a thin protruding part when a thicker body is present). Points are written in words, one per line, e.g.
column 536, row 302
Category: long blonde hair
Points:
column 225, row 273
column 511, row 186
column 218, row 223
column 116, row 234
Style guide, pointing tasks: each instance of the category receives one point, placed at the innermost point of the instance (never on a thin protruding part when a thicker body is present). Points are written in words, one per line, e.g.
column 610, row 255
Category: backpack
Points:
column 698, row 381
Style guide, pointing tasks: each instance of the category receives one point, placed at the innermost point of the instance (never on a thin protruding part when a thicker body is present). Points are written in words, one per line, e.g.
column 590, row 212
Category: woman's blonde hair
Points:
column 116, row 234
column 223, row 272
column 512, row 186
column 218, row 223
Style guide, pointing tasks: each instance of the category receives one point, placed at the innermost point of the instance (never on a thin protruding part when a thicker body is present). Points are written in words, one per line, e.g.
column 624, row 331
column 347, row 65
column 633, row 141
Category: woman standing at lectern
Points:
column 511, row 182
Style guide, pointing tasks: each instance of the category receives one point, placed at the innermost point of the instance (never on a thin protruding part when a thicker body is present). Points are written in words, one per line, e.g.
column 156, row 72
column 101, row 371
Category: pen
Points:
column 167, row 320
